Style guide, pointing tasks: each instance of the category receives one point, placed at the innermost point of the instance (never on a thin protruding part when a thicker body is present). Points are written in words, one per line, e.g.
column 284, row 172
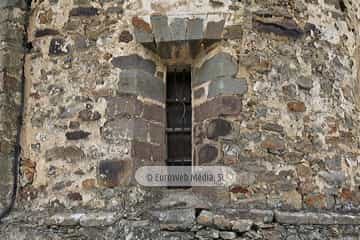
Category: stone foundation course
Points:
column 182, row 224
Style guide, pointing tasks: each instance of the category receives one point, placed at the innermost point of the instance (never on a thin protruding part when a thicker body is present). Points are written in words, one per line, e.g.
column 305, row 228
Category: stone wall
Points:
column 272, row 98
column 12, row 34
column 274, row 88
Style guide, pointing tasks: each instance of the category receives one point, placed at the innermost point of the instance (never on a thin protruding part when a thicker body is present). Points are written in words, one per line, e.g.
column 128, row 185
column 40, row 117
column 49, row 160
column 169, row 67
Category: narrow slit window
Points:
column 178, row 110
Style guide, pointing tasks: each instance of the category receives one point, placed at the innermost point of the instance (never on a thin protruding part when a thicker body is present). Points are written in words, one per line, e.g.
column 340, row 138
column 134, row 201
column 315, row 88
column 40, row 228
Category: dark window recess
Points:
column 178, row 113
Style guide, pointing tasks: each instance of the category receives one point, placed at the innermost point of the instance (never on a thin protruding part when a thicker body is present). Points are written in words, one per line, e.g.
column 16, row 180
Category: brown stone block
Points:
column 148, row 152
column 122, row 106
column 141, row 150
column 130, row 106
column 274, row 144
column 207, row 153
column 141, row 24
column 88, row 184
column 296, row 107
column 220, row 106
column 153, row 112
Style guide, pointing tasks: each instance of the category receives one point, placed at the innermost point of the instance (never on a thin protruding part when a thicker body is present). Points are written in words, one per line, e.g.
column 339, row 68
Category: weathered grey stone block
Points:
column 134, row 62
column 299, row 218
column 5, row 177
column 98, row 219
column 140, row 130
column 176, row 218
column 207, row 153
column 304, row 82
column 221, row 65
column 64, row 219
column 117, row 130
column 333, row 177
column 69, row 154
column 242, row 225
column 143, row 37
column 227, row 86
column 142, row 83
column 194, row 29
column 178, row 29
column 161, row 28
column 84, row 12
column 148, row 152
column 256, row 215
column 124, row 128
column 227, row 235
column 157, row 133
column 123, row 106
column 217, row 128
column 214, row 30
column 8, row 3
column 207, row 233
column 5, row 15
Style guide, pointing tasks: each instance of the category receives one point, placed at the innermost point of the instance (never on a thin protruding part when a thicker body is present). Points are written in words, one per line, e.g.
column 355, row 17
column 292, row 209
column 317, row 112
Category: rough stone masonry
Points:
column 275, row 96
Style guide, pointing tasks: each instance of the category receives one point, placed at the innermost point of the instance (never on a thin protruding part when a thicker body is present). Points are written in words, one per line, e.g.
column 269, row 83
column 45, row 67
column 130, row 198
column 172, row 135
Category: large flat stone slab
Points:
column 219, row 106
column 178, row 29
column 134, row 61
column 175, row 219
column 309, row 218
column 214, row 30
column 222, row 65
column 227, row 86
column 139, row 82
column 161, row 29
